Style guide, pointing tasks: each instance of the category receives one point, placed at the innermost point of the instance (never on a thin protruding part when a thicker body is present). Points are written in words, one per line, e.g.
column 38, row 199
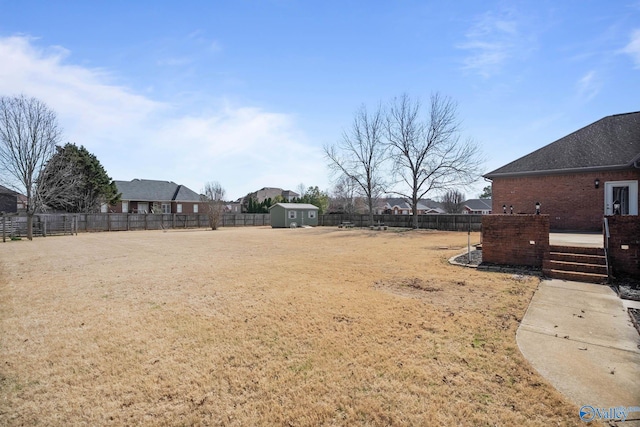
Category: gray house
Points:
column 284, row 215
column 147, row 196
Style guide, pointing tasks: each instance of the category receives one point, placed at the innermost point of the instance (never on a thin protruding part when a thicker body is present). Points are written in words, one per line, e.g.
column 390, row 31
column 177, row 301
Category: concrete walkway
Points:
column 580, row 338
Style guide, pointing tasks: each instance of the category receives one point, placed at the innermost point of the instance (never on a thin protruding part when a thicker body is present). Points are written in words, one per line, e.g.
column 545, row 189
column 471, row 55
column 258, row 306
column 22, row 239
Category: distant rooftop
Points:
column 148, row 190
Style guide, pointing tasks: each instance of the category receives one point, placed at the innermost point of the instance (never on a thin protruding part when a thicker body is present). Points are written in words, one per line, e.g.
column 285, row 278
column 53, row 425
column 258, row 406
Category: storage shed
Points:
column 285, row 215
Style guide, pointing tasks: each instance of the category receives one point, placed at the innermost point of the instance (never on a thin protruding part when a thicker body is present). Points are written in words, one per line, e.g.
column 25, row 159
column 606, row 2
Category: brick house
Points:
column 577, row 179
column 402, row 206
column 151, row 196
column 477, row 206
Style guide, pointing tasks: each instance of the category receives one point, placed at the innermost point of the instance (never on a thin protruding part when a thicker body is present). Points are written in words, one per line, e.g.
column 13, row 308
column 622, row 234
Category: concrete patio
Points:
column 589, row 240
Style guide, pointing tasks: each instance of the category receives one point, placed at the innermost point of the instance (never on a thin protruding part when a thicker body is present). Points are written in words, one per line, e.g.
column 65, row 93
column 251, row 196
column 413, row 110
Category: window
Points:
column 125, row 207
column 166, row 208
column 195, row 208
column 292, row 214
column 179, row 208
column 312, row 214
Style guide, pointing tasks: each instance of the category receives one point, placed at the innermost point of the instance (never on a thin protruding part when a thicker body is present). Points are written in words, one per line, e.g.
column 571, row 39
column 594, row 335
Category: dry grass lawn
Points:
column 255, row 326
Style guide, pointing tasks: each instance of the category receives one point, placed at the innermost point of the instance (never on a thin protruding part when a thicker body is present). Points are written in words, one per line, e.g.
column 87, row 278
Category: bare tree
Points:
column 213, row 197
column 29, row 133
column 301, row 189
column 428, row 154
column 343, row 197
column 453, row 201
column 361, row 155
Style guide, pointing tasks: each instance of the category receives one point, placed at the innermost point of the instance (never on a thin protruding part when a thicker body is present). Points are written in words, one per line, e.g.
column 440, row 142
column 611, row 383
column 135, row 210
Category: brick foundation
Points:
column 624, row 245
column 515, row 239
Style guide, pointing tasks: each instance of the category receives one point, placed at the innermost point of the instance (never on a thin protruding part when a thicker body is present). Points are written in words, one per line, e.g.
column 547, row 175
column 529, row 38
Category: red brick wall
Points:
column 187, row 207
column 571, row 200
column 624, row 230
column 515, row 239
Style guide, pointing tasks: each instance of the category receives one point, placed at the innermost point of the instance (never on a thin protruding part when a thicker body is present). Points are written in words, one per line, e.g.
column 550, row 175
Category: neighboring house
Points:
column 477, row 206
column 286, row 214
column 151, row 196
column 289, row 195
column 9, row 200
column 234, row 207
column 578, row 178
column 22, row 203
column 402, row 206
column 272, row 192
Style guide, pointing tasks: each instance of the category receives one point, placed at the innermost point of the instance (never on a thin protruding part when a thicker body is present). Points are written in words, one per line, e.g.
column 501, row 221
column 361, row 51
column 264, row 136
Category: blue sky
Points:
column 246, row 93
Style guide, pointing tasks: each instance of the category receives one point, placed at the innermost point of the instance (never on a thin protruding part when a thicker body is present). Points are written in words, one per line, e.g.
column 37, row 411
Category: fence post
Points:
column 4, row 228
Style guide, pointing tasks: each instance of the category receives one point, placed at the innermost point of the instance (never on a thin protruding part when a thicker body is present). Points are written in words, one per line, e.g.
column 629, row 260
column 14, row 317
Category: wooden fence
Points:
column 15, row 226
column 445, row 222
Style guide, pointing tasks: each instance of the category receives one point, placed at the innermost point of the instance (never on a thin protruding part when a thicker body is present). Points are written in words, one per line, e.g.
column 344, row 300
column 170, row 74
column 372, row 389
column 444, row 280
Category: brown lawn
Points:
column 255, row 326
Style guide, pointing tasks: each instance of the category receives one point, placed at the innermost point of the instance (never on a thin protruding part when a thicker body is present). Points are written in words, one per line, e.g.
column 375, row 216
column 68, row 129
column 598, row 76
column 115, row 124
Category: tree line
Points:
column 312, row 195
column 404, row 149
column 52, row 177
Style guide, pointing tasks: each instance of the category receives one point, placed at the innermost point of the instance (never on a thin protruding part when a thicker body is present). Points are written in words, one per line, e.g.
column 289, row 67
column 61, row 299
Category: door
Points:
column 622, row 193
column 143, row 207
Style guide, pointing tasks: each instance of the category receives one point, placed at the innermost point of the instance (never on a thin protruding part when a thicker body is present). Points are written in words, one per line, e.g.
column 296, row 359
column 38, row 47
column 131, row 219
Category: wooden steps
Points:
column 579, row 264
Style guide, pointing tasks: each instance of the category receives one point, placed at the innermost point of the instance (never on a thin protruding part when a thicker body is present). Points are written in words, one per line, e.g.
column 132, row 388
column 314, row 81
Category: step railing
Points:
column 607, row 235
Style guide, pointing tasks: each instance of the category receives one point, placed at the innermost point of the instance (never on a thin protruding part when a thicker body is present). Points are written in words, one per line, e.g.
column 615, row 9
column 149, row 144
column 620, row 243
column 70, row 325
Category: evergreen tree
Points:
column 73, row 180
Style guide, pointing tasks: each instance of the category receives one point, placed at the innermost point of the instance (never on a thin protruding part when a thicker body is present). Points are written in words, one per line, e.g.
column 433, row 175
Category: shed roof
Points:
column 305, row 206
column 610, row 143
column 155, row 191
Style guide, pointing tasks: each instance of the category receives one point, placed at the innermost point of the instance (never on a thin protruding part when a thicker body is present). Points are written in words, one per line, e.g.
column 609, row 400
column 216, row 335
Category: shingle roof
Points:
column 155, row 191
column 5, row 190
column 478, row 204
column 610, row 143
column 296, row 206
column 423, row 204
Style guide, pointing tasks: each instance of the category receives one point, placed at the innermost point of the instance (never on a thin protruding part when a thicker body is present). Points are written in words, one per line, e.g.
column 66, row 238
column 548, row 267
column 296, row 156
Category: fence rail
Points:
column 14, row 226
column 444, row 222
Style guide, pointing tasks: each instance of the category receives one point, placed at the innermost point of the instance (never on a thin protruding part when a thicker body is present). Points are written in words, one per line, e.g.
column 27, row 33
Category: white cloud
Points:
column 134, row 136
column 491, row 42
column 588, row 85
column 633, row 48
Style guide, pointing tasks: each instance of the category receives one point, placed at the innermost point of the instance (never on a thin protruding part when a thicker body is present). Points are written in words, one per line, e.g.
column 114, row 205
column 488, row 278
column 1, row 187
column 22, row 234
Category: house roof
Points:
column 296, row 206
column 423, row 204
column 148, row 190
column 5, row 190
column 478, row 204
column 610, row 143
